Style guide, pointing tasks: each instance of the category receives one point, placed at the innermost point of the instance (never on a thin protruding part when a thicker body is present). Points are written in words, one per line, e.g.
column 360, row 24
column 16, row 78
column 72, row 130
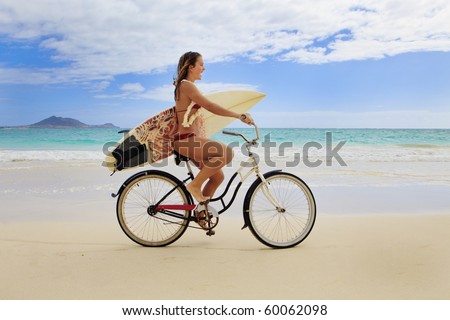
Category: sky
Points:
column 322, row 64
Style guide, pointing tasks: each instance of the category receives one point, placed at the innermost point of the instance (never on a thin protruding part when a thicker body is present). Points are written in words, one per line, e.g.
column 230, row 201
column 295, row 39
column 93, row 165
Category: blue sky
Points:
column 377, row 64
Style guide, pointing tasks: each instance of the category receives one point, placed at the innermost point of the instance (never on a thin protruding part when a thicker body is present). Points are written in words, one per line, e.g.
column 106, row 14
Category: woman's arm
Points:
column 195, row 95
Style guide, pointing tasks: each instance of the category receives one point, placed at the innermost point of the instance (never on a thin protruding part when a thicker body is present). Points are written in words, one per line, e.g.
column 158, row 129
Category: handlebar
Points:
column 253, row 142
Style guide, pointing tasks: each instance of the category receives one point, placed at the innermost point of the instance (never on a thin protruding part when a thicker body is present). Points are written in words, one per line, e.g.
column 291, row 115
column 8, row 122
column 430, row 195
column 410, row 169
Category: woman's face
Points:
column 196, row 71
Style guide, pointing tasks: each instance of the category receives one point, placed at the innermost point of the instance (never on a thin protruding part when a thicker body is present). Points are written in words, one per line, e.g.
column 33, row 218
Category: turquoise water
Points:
column 403, row 137
column 373, row 145
column 56, row 139
column 94, row 138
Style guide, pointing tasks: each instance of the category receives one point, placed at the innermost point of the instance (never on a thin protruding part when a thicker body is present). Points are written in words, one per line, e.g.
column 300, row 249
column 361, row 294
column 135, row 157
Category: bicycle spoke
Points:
column 289, row 224
column 141, row 224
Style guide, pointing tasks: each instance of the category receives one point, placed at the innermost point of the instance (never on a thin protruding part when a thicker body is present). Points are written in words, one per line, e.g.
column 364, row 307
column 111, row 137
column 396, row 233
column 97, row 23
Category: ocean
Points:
column 364, row 144
column 36, row 144
column 381, row 170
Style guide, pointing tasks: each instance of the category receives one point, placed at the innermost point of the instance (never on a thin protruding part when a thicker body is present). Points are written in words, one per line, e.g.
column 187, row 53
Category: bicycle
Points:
column 154, row 208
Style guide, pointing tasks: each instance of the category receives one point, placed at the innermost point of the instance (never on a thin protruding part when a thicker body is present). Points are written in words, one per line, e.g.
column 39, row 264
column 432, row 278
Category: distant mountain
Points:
column 59, row 122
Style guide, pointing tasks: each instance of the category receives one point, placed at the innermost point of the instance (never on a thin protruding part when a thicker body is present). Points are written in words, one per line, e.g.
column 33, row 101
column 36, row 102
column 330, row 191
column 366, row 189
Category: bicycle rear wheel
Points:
column 139, row 222
column 280, row 227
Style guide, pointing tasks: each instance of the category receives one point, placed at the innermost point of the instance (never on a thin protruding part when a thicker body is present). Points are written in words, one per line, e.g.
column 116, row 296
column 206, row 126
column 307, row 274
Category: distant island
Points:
column 59, row 123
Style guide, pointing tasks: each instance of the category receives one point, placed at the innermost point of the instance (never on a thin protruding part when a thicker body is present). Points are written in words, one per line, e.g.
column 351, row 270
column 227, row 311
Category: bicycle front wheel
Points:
column 139, row 222
column 290, row 223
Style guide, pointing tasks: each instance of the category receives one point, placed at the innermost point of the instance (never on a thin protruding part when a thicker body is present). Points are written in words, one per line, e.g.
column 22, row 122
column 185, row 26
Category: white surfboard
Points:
column 151, row 140
column 239, row 101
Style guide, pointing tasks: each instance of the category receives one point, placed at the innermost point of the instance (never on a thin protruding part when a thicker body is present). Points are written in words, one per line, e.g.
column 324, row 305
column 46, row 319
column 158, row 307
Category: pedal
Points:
column 210, row 209
column 210, row 221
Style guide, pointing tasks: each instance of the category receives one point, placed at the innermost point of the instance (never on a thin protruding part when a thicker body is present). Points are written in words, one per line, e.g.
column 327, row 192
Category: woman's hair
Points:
column 186, row 60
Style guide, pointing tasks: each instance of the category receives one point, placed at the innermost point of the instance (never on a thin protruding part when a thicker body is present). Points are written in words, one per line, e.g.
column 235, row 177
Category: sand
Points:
column 59, row 239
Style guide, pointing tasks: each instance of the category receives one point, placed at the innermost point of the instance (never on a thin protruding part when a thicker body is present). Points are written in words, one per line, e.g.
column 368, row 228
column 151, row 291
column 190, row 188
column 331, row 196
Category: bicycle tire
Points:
column 152, row 230
column 280, row 229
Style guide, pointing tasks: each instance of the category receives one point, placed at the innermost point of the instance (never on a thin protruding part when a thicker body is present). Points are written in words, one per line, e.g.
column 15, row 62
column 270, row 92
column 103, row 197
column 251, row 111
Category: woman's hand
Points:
column 246, row 118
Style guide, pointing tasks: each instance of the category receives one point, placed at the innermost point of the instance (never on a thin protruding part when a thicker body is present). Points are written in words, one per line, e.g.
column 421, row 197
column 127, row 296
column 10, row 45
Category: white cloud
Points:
column 100, row 39
column 132, row 87
column 99, row 86
column 165, row 92
column 112, row 96
column 129, row 90
column 28, row 75
column 162, row 93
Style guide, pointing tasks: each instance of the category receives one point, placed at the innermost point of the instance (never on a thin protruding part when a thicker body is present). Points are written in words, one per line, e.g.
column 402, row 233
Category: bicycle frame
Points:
column 243, row 176
column 251, row 161
column 160, row 207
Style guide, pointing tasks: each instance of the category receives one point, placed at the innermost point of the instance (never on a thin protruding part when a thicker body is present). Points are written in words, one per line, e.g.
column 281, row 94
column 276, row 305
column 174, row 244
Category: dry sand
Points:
column 59, row 239
column 345, row 257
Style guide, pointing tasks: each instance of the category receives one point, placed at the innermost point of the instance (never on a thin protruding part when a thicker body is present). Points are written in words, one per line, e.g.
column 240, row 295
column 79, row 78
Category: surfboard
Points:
column 151, row 141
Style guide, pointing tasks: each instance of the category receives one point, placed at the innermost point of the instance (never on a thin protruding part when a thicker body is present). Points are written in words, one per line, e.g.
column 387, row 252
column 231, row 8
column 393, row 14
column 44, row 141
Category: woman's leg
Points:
column 212, row 155
column 213, row 183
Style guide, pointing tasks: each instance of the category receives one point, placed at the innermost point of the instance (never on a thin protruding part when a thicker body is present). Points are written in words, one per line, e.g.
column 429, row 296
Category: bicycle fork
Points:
column 269, row 195
column 265, row 188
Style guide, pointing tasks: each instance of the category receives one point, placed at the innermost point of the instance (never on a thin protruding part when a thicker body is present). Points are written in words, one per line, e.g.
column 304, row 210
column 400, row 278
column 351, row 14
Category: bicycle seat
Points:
column 179, row 158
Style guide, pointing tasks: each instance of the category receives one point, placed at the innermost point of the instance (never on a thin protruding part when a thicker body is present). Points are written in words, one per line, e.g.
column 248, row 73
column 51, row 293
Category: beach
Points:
column 381, row 233
column 351, row 97
column 344, row 258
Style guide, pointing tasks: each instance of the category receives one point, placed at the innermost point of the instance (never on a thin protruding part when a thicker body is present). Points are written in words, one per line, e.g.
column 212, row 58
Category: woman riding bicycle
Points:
column 154, row 208
column 190, row 141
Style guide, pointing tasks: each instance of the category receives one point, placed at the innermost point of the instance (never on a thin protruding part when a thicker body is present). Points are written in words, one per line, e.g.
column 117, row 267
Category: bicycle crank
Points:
column 207, row 217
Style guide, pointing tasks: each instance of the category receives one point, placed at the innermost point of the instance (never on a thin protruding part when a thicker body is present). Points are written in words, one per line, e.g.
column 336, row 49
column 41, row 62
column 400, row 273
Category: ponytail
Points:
column 186, row 60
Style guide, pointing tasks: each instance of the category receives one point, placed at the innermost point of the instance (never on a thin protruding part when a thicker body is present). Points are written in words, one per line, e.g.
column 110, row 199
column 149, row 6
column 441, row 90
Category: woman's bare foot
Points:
column 201, row 218
column 196, row 193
